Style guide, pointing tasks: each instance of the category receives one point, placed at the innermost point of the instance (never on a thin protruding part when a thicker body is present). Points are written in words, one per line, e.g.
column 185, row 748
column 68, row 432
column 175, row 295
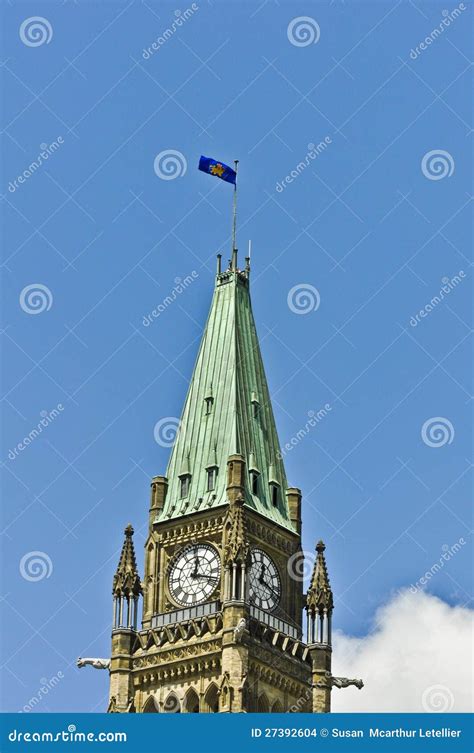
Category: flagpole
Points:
column 234, row 218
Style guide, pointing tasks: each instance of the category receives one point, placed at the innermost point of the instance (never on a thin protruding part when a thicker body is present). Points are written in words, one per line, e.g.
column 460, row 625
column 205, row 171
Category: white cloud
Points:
column 417, row 658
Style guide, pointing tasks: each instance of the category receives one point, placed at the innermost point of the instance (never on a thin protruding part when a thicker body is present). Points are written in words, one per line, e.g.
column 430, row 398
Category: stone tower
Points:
column 221, row 629
column 319, row 606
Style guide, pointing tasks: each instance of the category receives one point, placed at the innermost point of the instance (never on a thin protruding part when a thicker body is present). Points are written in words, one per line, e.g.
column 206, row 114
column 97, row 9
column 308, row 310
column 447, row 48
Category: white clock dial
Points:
column 194, row 574
column 264, row 581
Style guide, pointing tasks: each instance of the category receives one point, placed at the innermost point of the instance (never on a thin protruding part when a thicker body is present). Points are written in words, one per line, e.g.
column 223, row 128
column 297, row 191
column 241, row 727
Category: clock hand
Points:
column 197, row 574
column 270, row 588
column 196, row 566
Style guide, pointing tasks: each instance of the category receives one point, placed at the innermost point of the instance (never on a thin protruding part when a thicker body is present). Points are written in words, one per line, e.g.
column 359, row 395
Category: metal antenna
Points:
column 247, row 258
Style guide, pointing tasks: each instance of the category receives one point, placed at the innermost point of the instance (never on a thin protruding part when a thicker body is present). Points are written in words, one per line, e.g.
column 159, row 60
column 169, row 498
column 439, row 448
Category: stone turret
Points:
column 158, row 490
column 126, row 591
column 127, row 586
column 319, row 607
column 236, row 551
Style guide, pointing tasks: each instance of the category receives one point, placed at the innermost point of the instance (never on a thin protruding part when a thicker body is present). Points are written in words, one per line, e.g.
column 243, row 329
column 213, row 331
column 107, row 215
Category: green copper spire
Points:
column 227, row 412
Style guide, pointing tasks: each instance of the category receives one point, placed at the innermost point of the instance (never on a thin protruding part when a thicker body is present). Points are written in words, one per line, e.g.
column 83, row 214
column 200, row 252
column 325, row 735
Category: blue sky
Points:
column 363, row 223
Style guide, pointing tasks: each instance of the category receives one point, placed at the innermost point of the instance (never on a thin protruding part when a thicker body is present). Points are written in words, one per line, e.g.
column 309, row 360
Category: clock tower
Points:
column 222, row 622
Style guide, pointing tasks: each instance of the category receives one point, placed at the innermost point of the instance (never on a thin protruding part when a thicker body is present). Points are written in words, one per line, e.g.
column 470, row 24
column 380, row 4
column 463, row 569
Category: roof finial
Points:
column 219, row 263
column 319, row 594
column 127, row 579
column 247, row 258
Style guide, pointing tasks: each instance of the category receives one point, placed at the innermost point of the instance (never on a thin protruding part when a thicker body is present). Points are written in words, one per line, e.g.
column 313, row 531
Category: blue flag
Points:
column 224, row 172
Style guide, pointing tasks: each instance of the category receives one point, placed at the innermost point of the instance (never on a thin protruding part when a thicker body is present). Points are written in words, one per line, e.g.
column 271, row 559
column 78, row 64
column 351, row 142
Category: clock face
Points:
column 194, row 574
column 264, row 581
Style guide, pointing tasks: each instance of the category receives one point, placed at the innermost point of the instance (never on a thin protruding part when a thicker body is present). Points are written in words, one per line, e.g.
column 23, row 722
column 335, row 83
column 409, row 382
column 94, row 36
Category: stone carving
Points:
column 236, row 547
column 112, row 709
column 344, row 682
column 225, row 692
column 239, row 630
column 243, row 689
column 96, row 663
column 338, row 682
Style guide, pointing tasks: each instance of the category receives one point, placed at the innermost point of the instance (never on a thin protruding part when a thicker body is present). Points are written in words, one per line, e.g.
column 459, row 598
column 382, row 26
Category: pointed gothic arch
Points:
column 191, row 702
column 172, row 704
column 211, row 699
column 150, row 706
column 263, row 706
column 277, row 708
